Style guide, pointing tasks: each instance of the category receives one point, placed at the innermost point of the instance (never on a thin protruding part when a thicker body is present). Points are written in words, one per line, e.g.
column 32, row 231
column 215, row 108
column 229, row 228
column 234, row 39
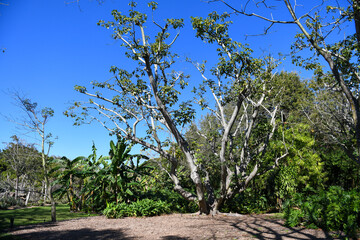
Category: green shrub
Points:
column 144, row 207
column 247, row 202
column 114, row 210
column 6, row 202
column 334, row 209
column 176, row 202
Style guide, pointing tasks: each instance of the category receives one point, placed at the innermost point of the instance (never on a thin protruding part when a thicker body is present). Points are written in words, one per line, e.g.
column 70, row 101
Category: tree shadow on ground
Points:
column 264, row 229
column 30, row 226
column 218, row 227
column 171, row 237
column 80, row 234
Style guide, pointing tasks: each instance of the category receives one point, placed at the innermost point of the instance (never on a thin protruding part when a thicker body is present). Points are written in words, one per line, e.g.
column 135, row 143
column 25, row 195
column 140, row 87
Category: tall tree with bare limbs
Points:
column 239, row 85
column 331, row 31
column 146, row 105
column 35, row 121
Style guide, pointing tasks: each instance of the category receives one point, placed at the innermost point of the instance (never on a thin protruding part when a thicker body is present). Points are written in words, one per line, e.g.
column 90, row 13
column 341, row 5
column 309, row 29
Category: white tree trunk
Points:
column 27, row 197
column 45, row 192
column 16, row 187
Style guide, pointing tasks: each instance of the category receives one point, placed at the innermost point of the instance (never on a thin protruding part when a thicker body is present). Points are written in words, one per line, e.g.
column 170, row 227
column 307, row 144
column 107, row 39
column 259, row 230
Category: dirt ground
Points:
column 169, row 227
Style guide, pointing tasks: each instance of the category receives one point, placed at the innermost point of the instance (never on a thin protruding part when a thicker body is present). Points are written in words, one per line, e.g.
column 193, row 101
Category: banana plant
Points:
column 94, row 192
column 124, row 171
column 69, row 170
column 113, row 178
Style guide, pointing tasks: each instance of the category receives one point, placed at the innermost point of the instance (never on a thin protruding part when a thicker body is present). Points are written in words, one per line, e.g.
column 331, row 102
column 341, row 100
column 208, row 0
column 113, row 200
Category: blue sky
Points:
column 51, row 46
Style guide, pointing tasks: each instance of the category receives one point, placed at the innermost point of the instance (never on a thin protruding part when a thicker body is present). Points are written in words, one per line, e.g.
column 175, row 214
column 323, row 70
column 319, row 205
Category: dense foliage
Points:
column 7, row 201
column 333, row 209
column 92, row 183
column 145, row 207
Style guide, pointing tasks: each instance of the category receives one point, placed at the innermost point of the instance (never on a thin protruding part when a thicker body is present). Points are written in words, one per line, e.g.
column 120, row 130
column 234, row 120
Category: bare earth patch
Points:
column 169, row 227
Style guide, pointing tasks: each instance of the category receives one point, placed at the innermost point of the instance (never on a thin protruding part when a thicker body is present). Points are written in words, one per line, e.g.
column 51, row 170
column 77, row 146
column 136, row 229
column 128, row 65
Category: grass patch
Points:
column 27, row 216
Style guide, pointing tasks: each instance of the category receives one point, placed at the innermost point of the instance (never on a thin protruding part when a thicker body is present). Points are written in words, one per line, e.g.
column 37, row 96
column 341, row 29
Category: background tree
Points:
column 22, row 160
column 301, row 168
column 322, row 31
column 331, row 120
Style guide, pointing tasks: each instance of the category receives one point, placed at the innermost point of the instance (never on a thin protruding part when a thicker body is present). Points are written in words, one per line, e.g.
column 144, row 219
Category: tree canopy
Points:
column 149, row 96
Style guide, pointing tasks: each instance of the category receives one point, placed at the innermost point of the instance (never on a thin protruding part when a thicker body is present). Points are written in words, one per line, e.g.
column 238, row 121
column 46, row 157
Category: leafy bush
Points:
column 6, row 202
column 144, row 207
column 176, row 202
column 249, row 201
column 334, row 209
column 148, row 207
column 114, row 210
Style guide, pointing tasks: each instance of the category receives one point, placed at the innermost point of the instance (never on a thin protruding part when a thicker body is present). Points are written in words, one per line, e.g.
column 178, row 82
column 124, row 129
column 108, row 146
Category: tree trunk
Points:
column 115, row 190
column 45, row 192
column 218, row 203
column 53, row 208
column 47, row 182
column 203, row 206
column 183, row 144
column 356, row 8
column 27, row 197
column 42, row 188
column 196, row 179
column 71, row 194
column 17, row 187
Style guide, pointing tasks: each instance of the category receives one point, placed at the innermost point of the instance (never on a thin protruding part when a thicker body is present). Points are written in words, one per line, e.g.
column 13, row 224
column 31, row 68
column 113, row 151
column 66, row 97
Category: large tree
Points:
column 144, row 106
column 324, row 31
column 246, row 117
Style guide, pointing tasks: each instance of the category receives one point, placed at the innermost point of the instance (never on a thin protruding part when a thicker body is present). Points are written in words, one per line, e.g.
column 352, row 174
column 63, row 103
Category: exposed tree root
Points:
column 218, row 213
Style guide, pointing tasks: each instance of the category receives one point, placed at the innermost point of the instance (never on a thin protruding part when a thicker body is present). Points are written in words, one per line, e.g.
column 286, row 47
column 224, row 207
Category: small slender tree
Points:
column 36, row 121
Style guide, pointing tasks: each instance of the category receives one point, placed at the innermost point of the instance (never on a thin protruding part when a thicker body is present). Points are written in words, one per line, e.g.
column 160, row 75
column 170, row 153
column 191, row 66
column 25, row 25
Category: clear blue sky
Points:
column 51, row 46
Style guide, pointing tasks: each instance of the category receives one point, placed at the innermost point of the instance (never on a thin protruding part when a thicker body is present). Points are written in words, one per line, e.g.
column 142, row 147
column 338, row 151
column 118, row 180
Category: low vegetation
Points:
column 332, row 210
column 140, row 208
column 6, row 202
column 34, row 215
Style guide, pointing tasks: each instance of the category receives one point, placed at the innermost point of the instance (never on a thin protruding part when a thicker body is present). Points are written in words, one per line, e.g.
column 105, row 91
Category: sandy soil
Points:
column 169, row 227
